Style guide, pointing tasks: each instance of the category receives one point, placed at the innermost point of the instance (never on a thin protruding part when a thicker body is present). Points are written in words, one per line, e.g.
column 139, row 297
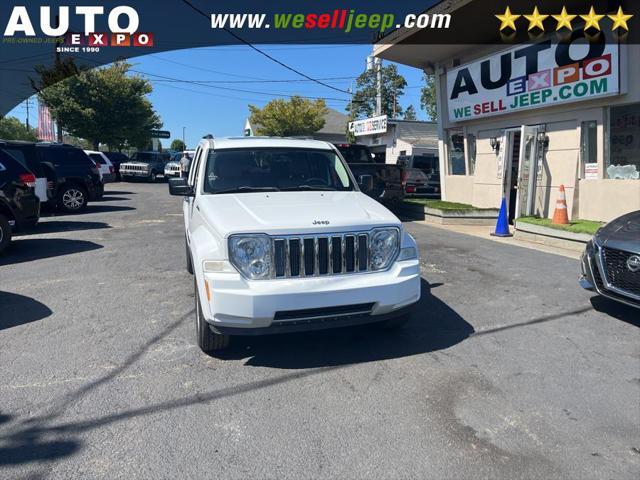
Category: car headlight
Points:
column 251, row 255
column 383, row 247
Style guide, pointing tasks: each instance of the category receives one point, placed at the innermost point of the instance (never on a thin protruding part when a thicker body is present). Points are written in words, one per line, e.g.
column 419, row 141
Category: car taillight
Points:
column 97, row 164
column 28, row 178
column 411, row 189
column 111, row 170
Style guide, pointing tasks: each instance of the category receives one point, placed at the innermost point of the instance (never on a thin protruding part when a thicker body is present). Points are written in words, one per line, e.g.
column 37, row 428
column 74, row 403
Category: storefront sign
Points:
column 369, row 126
column 590, row 171
column 532, row 76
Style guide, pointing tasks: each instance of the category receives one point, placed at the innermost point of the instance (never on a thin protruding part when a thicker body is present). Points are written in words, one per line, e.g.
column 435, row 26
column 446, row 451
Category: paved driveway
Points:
column 507, row 370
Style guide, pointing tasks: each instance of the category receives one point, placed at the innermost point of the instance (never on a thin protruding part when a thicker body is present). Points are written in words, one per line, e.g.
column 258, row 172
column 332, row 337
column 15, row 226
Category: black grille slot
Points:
column 294, row 257
column 309, row 256
column 279, row 254
column 617, row 272
column 324, row 312
column 363, row 257
column 349, row 253
column 323, row 255
column 336, row 254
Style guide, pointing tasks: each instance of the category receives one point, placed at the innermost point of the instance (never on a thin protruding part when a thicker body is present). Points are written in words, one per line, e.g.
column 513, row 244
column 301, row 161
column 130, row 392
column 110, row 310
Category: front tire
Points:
column 72, row 199
column 208, row 341
column 5, row 232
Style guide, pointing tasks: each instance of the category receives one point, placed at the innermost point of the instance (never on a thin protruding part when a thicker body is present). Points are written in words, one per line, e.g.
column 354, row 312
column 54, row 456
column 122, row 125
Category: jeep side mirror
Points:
column 180, row 187
column 365, row 182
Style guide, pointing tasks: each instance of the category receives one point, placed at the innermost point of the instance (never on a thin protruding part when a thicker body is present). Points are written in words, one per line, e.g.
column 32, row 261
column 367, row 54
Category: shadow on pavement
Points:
column 616, row 310
column 18, row 310
column 28, row 249
column 55, row 226
column 111, row 198
column 433, row 326
column 119, row 192
column 97, row 208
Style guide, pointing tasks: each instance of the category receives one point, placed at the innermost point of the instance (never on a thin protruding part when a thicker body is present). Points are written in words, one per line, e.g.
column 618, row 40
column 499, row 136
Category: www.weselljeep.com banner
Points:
column 90, row 33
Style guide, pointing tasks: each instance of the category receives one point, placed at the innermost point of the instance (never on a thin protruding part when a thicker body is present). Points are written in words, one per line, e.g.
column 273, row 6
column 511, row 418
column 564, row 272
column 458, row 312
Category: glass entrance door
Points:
column 527, row 171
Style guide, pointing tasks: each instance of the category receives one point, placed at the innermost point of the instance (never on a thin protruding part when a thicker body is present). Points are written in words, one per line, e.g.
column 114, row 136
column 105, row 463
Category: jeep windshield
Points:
column 275, row 169
column 145, row 157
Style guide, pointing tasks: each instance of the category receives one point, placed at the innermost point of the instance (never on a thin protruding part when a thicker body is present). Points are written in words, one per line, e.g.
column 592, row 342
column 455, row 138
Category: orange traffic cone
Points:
column 560, row 214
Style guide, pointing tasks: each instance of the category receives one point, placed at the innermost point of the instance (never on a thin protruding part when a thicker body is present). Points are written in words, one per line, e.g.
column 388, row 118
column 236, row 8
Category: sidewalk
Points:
column 483, row 231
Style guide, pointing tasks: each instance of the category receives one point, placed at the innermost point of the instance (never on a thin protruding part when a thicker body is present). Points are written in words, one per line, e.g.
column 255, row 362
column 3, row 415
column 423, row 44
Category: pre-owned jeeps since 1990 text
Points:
column 281, row 239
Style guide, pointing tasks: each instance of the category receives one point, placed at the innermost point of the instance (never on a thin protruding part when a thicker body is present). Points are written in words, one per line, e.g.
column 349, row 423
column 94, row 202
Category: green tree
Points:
column 363, row 103
column 13, row 129
column 86, row 104
column 410, row 113
column 177, row 145
column 428, row 97
column 286, row 118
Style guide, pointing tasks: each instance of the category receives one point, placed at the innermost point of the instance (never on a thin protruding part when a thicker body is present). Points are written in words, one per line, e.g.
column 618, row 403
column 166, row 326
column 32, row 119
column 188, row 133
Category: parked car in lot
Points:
column 145, row 165
column 106, row 168
column 611, row 260
column 387, row 182
column 172, row 169
column 19, row 204
column 281, row 239
column 76, row 179
column 117, row 158
column 25, row 153
column 427, row 185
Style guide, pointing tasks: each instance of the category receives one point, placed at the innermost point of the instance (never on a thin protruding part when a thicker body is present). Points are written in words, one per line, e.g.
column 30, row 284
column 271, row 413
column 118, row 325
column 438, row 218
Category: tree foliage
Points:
column 287, row 118
column 428, row 97
column 410, row 113
column 13, row 129
column 364, row 99
column 104, row 106
column 177, row 145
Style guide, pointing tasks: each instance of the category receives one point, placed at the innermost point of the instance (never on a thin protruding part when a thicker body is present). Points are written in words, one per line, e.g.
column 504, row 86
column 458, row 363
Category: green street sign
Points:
column 160, row 134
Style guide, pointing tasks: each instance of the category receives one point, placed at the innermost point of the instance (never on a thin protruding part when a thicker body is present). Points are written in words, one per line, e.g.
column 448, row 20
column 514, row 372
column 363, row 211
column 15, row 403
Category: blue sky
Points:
column 203, row 109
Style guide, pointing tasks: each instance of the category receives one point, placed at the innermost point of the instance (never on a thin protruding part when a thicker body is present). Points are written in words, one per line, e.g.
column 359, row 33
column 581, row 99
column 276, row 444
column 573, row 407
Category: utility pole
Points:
column 378, row 63
column 183, row 142
column 27, row 105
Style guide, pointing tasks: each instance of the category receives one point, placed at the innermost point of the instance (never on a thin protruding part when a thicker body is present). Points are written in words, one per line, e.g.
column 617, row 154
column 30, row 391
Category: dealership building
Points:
column 521, row 120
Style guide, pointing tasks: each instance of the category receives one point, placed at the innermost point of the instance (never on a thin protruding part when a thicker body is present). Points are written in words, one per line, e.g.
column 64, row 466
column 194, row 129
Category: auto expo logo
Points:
column 633, row 263
column 123, row 22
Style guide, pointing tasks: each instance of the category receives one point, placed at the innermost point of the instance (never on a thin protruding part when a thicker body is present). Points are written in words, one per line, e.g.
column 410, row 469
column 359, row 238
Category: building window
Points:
column 471, row 146
column 623, row 159
column 455, row 152
column 589, row 149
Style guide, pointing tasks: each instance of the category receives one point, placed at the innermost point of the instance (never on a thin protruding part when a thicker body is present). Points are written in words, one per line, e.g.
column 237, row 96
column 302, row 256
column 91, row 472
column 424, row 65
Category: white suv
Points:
column 281, row 239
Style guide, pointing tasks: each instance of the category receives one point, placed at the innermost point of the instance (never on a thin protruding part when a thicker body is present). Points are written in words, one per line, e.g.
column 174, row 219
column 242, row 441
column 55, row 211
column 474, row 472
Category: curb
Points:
column 551, row 236
column 449, row 217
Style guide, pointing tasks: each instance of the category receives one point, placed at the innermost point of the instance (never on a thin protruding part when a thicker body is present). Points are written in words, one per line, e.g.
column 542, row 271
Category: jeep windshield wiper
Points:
column 247, row 188
column 310, row 187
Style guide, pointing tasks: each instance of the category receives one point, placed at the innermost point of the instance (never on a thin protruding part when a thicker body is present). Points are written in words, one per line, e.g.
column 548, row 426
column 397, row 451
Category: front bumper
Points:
column 592, row 277
column 238, row 306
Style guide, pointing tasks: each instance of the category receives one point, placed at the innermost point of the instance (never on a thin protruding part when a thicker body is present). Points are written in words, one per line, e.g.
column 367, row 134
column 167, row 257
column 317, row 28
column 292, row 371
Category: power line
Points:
column 249, row 44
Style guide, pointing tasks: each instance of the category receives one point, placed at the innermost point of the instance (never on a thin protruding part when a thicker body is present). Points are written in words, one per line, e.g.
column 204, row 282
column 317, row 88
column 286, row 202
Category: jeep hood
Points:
column 293, row 212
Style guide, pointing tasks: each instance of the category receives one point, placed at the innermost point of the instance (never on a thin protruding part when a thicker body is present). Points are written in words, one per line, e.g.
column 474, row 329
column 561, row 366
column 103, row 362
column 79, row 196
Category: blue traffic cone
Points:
column 502, row 226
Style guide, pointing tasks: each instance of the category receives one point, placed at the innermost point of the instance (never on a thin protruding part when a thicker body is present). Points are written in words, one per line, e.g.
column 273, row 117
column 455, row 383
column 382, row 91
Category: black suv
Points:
column 25, row 153
column 19, row 205
column 76, row 179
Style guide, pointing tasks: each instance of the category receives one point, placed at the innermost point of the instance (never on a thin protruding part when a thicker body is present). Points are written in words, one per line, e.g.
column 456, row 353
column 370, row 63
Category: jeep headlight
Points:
column 251, row 255
column 383, row 247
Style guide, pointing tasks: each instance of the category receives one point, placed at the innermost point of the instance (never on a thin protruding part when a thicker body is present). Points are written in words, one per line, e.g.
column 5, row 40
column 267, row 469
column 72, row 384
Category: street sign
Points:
column 160, row 134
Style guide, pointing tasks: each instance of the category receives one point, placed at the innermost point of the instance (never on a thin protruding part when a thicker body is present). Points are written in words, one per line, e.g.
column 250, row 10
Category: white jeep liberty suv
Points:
column 281, row 239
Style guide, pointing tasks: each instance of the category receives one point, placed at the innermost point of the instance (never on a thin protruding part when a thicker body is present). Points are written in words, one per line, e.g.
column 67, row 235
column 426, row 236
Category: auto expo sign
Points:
column 532, row 76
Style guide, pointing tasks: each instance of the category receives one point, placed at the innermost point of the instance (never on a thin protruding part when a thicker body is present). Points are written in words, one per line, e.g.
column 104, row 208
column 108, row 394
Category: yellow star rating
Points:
column 507, row 19
column 564, row 19
column 535, row 19
column 620, row 20
column 592, row 19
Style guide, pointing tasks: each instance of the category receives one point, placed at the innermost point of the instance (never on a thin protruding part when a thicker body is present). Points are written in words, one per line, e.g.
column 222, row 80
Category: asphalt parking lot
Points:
column 507, row 370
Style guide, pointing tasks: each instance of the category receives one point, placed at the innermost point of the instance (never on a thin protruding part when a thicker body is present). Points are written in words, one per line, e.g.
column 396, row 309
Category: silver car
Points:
column 611, row 261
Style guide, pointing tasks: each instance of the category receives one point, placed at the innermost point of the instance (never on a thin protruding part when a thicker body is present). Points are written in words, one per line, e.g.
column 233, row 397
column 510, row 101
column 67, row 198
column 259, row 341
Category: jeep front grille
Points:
column 133, row 168
column 305, row 256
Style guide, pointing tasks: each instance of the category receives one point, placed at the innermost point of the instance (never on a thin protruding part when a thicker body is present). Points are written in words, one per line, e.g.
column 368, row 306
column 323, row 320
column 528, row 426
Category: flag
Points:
column 46, row 129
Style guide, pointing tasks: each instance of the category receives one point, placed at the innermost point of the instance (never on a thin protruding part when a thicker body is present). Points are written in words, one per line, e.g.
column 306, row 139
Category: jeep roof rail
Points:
column 208, row 136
